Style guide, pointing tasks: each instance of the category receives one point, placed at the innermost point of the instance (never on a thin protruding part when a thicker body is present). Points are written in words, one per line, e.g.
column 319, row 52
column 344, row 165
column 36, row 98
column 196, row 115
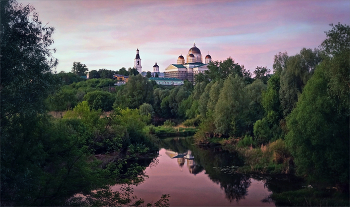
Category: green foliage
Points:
column 262, row 73
column 94, row 74
column 219, row 70
column 247, row 141
column 192, row 122
column 63, row 99
column 79, row 69
column 146, row 109
column 100, row 100
column 149, row 74
column 298, row 71
column 104, row 73
column 169, row 123
column 123, row 71
column 228, row 111
column 68, row 78
column 318, row 127
column 268, row 128
column 138, row 91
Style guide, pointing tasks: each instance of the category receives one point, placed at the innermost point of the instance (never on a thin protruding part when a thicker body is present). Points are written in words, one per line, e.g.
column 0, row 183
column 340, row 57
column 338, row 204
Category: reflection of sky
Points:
column 185, row 189
column 105, row 34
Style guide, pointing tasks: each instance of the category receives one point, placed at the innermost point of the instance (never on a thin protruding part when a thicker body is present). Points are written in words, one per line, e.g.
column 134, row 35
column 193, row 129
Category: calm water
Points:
column 195, row 176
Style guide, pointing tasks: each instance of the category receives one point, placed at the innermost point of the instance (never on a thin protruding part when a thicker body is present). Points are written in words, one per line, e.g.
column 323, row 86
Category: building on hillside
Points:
column 186, row 70
column 167, row 81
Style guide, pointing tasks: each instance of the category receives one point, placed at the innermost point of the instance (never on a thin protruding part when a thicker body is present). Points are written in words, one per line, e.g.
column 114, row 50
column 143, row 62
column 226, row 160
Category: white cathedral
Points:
column 193, row 65
column 181, row 70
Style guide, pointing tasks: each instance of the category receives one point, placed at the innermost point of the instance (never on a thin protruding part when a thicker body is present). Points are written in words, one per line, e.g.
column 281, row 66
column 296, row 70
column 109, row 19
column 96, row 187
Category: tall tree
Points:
column 26, row 80
column 318, row 135
column 79, row 69
column 299, row 69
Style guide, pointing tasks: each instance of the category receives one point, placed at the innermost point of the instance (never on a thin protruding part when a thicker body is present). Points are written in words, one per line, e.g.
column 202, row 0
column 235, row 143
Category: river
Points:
column 195, row 176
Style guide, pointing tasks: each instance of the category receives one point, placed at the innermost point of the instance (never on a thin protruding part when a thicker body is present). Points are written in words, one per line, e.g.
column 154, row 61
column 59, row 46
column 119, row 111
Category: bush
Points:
column 247, row 141
column 169, row 123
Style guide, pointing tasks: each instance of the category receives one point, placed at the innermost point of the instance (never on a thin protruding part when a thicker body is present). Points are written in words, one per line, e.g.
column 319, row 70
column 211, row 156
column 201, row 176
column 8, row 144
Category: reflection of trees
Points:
column 212, row 160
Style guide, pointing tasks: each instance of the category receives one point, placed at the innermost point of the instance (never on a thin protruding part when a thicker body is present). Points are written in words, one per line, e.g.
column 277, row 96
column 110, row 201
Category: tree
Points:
column 100, row 100
column 26, row 81
column 149, row 74
column 229, row 110
column 261, row 73
column 146, row 109
column 104, row 73
column 156, row 75
column 79, row 69
column 68, row 78
column 299, row 69
column 138, row 91
column 133, row 71
column 318, row 135
column 123, row 71
column 94, row 74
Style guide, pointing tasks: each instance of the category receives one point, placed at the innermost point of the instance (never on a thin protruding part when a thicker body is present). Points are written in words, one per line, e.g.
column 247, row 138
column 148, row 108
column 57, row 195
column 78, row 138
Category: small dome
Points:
column 208, row 57
column 181, row 57
column 155, row 65
column 191, row 55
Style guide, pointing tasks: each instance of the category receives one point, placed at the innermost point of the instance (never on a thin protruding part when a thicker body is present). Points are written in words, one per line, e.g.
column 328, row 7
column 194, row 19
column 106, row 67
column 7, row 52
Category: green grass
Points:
column 171, row 131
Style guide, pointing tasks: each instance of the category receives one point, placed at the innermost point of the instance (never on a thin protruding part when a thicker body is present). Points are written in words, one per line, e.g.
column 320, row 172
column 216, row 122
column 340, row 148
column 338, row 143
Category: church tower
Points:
column 137, row 62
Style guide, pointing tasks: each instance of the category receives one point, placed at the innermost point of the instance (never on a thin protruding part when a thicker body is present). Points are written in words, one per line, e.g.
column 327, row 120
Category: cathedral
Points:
column 187, row 70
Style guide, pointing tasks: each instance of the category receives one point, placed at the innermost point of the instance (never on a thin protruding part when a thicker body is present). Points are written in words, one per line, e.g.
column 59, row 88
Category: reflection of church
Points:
column 185, row 157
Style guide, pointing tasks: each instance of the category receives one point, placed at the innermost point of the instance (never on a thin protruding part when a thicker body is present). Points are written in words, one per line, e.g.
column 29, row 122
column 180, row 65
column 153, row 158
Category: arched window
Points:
column 138, row 62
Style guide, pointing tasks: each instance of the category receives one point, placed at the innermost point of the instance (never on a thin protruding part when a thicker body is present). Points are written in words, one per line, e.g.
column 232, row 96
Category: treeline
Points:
column 46, row 161
column 305, row 104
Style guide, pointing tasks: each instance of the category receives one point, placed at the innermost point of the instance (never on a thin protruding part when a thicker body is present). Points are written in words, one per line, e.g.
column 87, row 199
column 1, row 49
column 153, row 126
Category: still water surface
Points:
column 194, row 176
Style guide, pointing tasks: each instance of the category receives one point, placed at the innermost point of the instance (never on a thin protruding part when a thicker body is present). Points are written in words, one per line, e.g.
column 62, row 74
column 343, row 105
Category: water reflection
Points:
column 187, row 157
column 195, row 176
column 212, row 160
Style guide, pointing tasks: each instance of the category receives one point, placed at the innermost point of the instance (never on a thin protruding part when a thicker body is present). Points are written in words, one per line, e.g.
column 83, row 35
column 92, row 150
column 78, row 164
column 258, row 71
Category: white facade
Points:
column 187, row 71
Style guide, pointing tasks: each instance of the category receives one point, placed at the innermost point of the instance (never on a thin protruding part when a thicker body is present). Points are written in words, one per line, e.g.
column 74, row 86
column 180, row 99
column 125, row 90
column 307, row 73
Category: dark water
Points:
column 195, row 176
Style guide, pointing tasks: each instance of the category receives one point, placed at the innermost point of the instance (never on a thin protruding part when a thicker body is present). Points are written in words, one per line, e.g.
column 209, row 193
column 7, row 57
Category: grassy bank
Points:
column 171, row 131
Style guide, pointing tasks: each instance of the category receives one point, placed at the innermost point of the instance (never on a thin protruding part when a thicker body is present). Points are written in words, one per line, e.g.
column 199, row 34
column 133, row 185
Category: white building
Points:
column 137, row 62
column 187, row 70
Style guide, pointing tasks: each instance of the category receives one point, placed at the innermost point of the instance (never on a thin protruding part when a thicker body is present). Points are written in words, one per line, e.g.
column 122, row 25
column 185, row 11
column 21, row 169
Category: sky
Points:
column 106, row 34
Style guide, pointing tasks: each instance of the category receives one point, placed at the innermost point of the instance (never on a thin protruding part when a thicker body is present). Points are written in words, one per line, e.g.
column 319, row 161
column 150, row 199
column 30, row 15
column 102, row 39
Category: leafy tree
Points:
column 62, row 100
column 133, row 71
column 104, row 73
column 299, row 69
column 68, row 78
column 280, row 62
column 318, row 135
column 146, row 109
column 79, row 69
column 123, row 71
column 268, row 128
column 230, row 107
column 262, row 73
column 156, row 75
column 94, row 74
column 149, row 74
column 204, row 99
column 138, row 91
column 100, row 100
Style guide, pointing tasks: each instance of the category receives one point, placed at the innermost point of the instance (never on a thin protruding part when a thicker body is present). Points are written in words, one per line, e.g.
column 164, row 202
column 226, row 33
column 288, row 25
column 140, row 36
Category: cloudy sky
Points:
column 106, row 34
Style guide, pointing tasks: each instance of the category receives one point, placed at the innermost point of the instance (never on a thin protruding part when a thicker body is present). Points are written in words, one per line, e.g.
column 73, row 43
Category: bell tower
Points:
column 137, row 62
